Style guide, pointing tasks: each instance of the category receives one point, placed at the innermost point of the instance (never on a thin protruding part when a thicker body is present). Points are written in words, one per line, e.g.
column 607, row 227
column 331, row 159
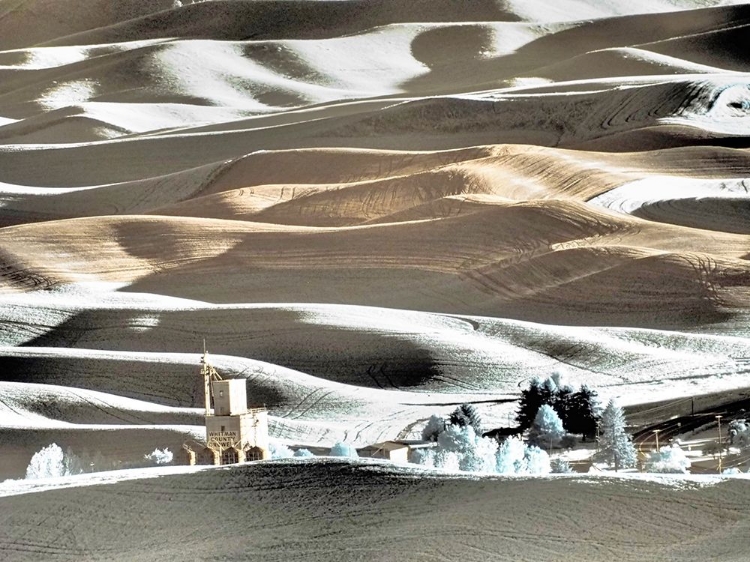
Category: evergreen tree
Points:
column 563, row 404
column 584, row 412
column 529, row 404
column 548, row 391
column 547, row 430
column 616, row 446
column 467, row 415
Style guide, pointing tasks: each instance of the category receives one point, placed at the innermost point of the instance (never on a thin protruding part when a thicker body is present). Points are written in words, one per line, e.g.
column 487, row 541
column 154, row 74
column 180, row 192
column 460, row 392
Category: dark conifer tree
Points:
column 585, row 412
column 531, row 400
column 465, row 415
column 563, row 404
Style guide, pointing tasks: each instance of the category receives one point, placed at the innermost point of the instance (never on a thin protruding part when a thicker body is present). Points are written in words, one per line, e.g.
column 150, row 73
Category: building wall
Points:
column 399, row 455
column 230, row 397
column 242, row 430
column 255, row 429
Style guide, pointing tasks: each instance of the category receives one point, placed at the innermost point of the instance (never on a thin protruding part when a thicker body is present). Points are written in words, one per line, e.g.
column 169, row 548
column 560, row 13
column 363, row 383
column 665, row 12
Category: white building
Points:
column 234, row 433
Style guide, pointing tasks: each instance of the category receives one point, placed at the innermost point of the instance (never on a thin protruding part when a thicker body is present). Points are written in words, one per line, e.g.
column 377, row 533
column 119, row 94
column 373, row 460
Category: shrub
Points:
column 342, row 449
column 510, row 457
column 560, row 466
column 280, row 451
column 47, row 463
column 157, row 456
column 537, row 461
column 514, row 457
column 668, row 460
column 304, row 453
column 425, row 457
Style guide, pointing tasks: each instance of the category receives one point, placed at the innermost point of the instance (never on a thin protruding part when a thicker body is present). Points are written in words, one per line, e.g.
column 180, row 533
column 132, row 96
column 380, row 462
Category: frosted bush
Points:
column 537, row 461
column 547, row 428
column 280, row 451
column 473, row 453
column 560, row 466
column 47, row 463
column 425, row 457
column 731, row 471
column 669, row 460
column 159, row 457
column 459, row 448
column 305, row 453
column 448, row 460
column 457, row 438
column 510, row 457
column 342, row 449
column 480, row 457
column 515, row 457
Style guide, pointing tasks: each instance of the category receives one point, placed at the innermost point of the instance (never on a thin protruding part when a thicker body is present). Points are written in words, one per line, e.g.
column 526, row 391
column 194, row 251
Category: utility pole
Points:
column 718, row 419
column 656, row 433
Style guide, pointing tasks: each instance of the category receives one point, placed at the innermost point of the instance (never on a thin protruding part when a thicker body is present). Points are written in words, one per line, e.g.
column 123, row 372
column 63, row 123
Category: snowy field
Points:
column 338, row 510
column 373, row 211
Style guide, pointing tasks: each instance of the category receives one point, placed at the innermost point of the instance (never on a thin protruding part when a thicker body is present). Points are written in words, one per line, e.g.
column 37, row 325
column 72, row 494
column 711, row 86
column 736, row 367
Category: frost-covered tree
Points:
column 158, row 456
column 435, row 426
column 473, row 452
column 547, row 430
column 457, row 438
column 458, row 447
column 342, row 449
column 514, row 457
column 669, row 459
column 47, row 463
column 304, row 453
column 479, row 453
column 537, row 461
column 616, row 446
column 447, row 460
column 510, row 457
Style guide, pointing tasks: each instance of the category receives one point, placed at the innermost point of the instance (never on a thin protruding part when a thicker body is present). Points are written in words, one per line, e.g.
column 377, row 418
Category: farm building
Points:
column 234, row 433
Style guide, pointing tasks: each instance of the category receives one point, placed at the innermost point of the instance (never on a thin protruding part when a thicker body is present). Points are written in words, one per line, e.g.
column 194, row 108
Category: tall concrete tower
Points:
column 234, row 433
